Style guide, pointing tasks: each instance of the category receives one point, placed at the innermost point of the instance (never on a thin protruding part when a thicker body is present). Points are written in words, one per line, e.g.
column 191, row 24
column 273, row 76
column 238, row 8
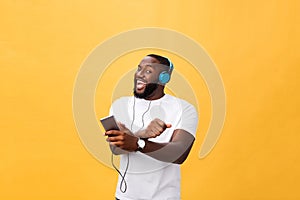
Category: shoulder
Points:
column 185, row 105
column 188, row 116
column 120, row 104
column 122, row 100
column 119, row 108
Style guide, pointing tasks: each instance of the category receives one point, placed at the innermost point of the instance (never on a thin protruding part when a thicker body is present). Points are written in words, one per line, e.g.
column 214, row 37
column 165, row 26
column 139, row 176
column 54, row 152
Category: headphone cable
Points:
column 123, row 181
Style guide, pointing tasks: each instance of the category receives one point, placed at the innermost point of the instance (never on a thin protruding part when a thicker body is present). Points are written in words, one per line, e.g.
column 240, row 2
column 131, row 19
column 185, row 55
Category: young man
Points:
column 156, row 134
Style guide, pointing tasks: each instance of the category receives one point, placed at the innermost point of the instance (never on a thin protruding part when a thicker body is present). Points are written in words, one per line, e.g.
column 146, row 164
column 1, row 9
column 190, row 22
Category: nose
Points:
column 140, row 74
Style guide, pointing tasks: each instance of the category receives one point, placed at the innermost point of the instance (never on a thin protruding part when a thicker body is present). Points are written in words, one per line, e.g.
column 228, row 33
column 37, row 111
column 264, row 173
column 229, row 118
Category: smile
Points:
column 140, row 84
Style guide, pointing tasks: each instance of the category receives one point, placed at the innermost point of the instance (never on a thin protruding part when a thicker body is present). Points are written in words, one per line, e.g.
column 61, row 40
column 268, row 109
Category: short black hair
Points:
column 162, row 60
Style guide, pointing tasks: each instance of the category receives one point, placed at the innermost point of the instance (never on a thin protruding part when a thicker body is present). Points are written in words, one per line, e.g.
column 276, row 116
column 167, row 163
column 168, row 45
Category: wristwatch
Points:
column 141, row 144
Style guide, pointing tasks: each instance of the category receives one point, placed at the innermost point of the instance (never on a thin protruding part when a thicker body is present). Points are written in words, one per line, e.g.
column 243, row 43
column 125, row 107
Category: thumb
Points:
column 121, row 126
column 168, row 125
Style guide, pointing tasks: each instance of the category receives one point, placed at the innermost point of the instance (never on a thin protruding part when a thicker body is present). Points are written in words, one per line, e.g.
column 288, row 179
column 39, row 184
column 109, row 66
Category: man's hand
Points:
column 123, row 139
column 154, row 129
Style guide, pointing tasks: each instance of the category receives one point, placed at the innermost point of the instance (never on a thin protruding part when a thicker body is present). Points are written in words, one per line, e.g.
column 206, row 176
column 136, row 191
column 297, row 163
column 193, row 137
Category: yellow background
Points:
column 255, row 45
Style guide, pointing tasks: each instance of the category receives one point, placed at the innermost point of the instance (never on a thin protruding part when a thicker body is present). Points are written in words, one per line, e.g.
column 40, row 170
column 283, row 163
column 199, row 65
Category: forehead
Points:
column 153, row 62
column 148, row 61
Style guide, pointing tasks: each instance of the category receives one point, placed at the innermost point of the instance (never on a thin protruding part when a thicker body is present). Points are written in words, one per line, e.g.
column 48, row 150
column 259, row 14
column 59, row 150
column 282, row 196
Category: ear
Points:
column 164, row 77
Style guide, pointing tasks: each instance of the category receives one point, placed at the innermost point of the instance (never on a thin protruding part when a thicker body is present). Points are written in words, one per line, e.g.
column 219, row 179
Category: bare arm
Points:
column 154, row 129
column 115, row 149
column 175, row 151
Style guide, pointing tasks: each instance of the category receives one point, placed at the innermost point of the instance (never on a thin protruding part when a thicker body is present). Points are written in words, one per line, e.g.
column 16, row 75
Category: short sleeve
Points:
column 189, row 120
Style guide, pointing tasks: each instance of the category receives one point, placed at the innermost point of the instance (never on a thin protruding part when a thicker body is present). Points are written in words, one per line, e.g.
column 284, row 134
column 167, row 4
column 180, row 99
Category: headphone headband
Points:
column 170, row 65
column 164, row 76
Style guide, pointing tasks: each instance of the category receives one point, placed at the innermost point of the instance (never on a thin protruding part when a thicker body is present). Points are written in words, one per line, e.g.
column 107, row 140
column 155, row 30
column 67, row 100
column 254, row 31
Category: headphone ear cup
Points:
column 164, row 77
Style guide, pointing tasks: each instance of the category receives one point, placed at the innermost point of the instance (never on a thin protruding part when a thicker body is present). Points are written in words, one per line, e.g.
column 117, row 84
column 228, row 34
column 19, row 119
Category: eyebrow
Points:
column 148, row 65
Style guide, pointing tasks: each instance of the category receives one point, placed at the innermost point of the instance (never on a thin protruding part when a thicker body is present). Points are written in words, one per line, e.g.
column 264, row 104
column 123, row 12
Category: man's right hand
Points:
column 122, row 138
column 154, row 129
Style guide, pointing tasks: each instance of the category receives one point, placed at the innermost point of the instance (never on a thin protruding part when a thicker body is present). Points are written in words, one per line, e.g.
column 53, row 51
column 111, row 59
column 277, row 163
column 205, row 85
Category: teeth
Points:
column 140, row 84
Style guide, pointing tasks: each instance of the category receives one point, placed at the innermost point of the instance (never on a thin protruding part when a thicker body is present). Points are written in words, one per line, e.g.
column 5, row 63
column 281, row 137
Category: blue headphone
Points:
column 164, row 76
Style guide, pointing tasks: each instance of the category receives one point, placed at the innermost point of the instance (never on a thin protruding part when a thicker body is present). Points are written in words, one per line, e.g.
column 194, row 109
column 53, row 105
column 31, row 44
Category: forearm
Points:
column 142, row 134
column 173, row 152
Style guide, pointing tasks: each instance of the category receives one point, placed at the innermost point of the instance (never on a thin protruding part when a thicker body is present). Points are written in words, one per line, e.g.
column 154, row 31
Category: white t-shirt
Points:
column 146, row 177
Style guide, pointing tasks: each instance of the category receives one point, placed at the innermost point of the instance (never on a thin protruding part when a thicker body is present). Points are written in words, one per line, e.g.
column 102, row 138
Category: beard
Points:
column 149, row 89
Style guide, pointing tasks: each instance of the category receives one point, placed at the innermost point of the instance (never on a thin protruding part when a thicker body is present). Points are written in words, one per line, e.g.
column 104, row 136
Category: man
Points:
column 156, row 134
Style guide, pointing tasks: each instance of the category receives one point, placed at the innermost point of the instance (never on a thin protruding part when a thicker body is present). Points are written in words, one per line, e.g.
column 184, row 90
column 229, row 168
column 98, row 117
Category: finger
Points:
column 159, row 122
column 155, row 127
column 158, row 130
column 117, row 143
column 122, row 126
column 156, row 133
column 152, row 134
column 165, row 126
column 120, row 123
column 162, row 123
column 108, row 133
column 162, row 127
column 112, row 133
column 114, row 139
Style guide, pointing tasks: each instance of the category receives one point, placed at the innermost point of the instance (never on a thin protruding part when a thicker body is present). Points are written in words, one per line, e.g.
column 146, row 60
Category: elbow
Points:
column 179, row 161
column 116, row 153
column 116, row 150
column 182, row 158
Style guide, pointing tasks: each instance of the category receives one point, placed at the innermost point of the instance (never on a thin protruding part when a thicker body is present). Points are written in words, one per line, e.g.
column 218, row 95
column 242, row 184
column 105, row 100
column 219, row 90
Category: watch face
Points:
column 141, row 143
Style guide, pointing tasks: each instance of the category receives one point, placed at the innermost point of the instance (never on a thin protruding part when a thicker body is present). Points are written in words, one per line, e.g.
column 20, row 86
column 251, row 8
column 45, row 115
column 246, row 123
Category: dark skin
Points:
column 124, row 141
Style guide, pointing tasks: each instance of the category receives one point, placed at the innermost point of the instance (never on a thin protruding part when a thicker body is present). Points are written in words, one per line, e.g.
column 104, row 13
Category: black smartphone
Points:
column 109, row 123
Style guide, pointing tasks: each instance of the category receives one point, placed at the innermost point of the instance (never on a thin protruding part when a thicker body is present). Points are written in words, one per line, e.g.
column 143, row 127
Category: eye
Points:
column 148, row 71
column 139, row 69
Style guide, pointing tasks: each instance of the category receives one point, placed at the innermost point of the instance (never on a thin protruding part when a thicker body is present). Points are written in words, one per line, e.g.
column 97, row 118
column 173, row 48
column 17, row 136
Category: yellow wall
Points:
column 255, row 45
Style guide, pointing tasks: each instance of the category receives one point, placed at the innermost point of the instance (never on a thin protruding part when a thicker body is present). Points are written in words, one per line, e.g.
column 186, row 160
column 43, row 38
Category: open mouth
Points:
column 140, row 85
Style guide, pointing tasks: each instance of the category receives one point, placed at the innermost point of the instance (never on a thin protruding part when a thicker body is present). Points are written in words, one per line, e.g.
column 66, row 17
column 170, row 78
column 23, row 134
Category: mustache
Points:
column 150, row 88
